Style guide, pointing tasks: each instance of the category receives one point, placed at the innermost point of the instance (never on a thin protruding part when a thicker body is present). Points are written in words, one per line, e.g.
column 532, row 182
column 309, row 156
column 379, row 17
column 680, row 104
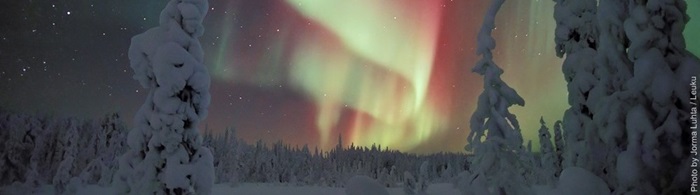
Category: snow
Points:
column 575, row 181
column 258, row 188
column 245, row 189
column 362, row 185
column 578, row 181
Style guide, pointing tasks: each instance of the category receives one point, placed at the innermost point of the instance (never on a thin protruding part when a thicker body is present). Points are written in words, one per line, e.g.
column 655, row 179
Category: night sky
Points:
column 395, row 73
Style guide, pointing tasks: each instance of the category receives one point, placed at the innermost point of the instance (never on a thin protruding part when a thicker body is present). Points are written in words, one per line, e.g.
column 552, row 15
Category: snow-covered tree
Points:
column 93, row 172
column 548, row 166
column 63, row 174
column 165, row 149
column 448, row 173
column 409, row 184
column 87, row 143
column 393, row 177
column 629, row 104
column 576, row 26
column 33, row 178
column 576, row 36
column 559, row 145
column 424, row 177
column 111, row 145
column 658, row 99
column 66, row 169
column 14, row 161
column 495, row 137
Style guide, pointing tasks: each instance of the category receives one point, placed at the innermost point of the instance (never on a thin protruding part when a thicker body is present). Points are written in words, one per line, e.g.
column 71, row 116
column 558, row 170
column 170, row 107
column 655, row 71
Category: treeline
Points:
column 236, row 162
column 39, row 150
column 69, row 152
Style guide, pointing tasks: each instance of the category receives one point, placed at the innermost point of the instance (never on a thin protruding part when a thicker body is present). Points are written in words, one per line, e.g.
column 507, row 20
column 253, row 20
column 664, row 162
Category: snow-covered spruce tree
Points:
column 409, row 183
column 14, row 156
column 528, row 165
column 113, row 144
column 495, row 137
column 559, row 145
column 652, row 157
column 548, row 165
column 448, row 173
column 576, row 36
column 393, row 177
column 423, row 178
column 165, row 153
column 65, row 170
column 611, row 69
column 45, row 157
column 93, row 172
column 33, row 178
column 639, row 105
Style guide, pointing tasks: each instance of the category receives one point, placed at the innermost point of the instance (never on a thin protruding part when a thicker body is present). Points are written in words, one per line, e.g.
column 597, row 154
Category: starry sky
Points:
column 395, row 73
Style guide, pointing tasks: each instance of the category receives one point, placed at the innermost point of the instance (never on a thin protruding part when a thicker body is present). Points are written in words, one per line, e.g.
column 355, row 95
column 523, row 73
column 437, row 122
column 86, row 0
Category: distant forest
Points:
column 41, row 149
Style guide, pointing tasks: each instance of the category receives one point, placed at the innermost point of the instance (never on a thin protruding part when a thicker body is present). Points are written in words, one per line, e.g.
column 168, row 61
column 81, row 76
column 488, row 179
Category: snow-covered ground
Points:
column 252, row 189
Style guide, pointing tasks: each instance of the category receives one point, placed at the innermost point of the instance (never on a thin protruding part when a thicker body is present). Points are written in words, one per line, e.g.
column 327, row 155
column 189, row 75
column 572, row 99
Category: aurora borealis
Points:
column 395, row 73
